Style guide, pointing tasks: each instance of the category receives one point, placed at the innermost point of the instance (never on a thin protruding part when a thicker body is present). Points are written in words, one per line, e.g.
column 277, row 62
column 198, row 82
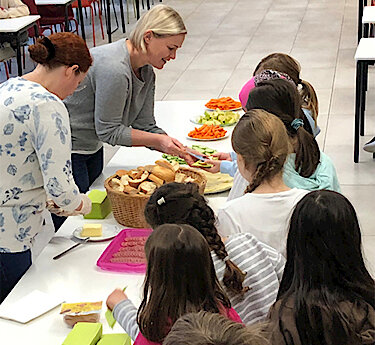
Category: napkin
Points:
column 29, row 307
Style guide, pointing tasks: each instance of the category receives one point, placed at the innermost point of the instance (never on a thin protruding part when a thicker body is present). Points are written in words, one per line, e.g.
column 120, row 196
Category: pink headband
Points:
column 254, row 81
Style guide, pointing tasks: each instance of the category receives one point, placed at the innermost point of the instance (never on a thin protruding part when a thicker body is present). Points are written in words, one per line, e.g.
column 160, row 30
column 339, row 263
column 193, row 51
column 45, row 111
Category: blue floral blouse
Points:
column 34, row 161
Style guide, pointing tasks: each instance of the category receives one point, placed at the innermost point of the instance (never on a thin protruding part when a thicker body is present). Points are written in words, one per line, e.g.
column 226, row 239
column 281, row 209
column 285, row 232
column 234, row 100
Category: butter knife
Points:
column 69, row 249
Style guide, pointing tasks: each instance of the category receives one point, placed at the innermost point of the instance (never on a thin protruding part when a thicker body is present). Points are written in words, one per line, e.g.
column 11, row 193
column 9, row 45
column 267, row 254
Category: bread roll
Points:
column 136, row 182
column 159, row 182
column 165, row 174
column 165, row 164
column 147, row 187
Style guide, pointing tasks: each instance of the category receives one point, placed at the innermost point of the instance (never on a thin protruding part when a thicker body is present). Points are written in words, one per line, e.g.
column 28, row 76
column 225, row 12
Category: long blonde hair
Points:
column 284, row 63
column 262, row 141
column 162, row 20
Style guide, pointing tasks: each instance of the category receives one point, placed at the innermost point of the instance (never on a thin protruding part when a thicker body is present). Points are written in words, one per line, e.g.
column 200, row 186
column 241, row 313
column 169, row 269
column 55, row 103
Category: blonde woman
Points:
column 115, row 103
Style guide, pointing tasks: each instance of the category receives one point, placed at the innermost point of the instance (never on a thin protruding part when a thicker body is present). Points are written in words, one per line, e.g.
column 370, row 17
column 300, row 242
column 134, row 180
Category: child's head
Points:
column 181, row 203
column 262, row 145
column 205, row 328
column 286, row 64
column 325, row 265
column 280, row 98
column 180, row 278
column 256, row 80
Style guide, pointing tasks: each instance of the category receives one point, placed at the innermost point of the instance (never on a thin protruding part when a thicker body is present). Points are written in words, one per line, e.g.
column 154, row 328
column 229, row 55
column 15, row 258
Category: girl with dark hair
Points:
column 326, row 296
column 262, row 147
column 306, row 167
column 180, row 279
column 35, row 152
column 248, row 270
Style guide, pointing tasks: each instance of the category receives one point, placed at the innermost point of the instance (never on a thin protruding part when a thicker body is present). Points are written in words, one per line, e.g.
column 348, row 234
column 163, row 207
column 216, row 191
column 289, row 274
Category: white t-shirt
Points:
column 266, row 216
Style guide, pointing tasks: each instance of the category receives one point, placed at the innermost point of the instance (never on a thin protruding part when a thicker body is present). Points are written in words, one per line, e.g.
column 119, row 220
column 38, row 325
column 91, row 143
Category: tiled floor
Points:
column 227, row 38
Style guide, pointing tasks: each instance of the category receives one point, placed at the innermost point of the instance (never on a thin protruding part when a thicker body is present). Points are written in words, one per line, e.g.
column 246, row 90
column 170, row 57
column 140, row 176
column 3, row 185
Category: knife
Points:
column 69, row 249
column 201, row 158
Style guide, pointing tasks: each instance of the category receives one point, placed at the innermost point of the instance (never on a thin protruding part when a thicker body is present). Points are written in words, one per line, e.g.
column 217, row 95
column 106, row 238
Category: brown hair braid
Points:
column 184, row 205
column 262, row 141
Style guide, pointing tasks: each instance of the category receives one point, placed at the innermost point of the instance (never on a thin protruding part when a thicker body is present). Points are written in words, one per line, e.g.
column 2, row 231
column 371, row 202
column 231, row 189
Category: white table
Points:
column 13, row 28
column 76, row 276
column 65, row 3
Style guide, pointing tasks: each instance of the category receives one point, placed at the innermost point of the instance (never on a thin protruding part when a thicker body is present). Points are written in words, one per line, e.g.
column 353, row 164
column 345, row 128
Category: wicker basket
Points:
column 128, row 209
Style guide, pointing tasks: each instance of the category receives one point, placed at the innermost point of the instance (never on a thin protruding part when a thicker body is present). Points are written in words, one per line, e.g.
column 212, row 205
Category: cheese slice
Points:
column 92, row 230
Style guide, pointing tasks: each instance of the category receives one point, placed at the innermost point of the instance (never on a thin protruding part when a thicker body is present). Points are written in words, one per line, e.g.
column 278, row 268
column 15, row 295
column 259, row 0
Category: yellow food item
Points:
column 217, row 182
column 92, row 230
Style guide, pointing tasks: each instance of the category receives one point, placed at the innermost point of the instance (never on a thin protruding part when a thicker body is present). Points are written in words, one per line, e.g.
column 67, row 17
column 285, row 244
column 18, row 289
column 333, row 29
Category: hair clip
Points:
column 50, row 47
column 297, row 123
column 161, row 201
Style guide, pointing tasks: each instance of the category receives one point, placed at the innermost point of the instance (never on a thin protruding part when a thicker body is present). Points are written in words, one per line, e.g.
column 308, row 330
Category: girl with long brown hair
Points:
column 248, row 270
column 180, row 279
column 262, row 146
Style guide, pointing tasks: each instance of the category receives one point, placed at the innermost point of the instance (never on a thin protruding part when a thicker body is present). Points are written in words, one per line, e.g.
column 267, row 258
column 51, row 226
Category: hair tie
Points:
column 297, row 123
column 161, row 201
column 50, row 47
column 226, row 258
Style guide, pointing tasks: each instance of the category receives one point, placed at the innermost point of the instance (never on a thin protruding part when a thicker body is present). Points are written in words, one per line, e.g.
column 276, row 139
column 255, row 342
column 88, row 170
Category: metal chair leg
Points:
column 357, row 110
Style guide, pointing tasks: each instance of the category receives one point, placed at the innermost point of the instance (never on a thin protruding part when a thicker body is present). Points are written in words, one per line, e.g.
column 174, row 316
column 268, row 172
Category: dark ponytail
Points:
column 280, row 98
column 183, row 204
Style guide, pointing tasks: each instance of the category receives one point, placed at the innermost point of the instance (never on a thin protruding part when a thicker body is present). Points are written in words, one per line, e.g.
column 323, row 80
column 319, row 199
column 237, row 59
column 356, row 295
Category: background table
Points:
column 75, row 276
column 14, row 27
column 65, row 3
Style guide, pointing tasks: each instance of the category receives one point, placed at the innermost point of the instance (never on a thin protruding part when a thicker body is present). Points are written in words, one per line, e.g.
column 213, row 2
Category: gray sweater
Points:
column 111, row 100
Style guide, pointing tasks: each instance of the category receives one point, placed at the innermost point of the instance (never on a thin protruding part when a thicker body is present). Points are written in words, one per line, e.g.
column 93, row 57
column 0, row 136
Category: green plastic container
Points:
column 101, row 206
column 84, row 333
column 115, row 339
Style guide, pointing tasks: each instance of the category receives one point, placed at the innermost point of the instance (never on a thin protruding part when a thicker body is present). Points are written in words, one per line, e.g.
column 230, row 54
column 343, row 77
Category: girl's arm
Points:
column 126, row 315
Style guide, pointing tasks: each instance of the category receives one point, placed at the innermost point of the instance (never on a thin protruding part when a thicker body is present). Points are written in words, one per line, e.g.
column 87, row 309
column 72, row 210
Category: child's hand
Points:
column 215, row 166
column 223, row 156
column 115, row 297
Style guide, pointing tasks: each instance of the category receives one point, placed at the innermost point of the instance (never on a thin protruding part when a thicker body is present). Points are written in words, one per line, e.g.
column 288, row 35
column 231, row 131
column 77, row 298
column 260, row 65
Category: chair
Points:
column 55, row 15
column 91, row 4
column 364, row 56
column 34, row 10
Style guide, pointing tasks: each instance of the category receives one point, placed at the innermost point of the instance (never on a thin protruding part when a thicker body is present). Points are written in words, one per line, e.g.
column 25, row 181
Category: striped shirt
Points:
column 264, row 267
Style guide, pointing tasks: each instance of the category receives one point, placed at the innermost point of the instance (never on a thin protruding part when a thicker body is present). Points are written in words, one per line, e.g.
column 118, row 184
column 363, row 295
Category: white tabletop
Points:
column 365, row 49
column 75, row 276
column 53, row 2
column 368, row 15
column 16, row 24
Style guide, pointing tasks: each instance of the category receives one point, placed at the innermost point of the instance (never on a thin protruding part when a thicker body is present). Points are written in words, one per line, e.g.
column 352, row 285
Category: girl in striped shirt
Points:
column 248, row 270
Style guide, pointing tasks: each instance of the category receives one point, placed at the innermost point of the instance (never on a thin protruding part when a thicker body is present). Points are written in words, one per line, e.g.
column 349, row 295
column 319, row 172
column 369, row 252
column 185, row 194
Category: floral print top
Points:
column 35, row 147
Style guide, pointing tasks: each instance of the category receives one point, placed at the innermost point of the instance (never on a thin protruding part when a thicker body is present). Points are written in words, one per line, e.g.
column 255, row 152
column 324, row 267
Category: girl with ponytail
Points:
column 261, row 143
column 248, row 270
column 284, row 63
column 306, row 166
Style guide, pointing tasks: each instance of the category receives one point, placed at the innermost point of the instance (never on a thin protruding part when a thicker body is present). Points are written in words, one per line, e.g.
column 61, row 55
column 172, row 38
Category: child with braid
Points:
column 262, row 146
column 306, row 166
column 248, row 270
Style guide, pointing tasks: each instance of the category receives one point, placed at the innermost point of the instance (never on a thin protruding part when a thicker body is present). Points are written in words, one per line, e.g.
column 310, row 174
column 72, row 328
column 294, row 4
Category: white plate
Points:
column 195, row 120
column 109, row 231
column 239, row 108
column 225, row 136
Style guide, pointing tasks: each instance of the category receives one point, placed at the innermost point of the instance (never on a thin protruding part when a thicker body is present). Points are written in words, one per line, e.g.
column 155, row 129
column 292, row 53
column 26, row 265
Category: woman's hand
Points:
column 115, row 297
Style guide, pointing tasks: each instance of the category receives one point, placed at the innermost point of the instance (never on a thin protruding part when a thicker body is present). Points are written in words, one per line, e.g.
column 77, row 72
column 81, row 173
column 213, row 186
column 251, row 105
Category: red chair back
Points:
column 33, row 10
